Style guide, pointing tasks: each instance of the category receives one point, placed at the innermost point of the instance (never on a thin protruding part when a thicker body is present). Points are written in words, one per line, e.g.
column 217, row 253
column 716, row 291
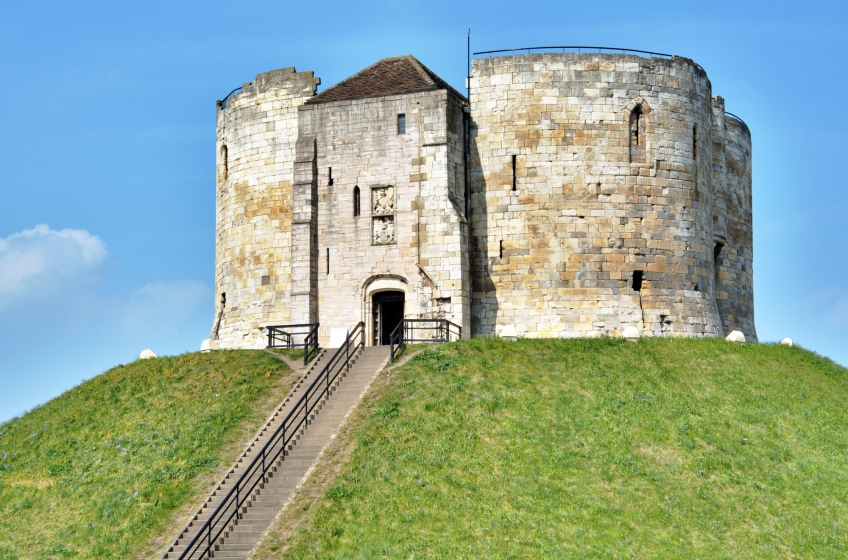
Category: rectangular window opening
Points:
column 401, row 123
column 330, row 176
column 637, row 281
column 328, row 261
column 513, row 173
column 500, row 249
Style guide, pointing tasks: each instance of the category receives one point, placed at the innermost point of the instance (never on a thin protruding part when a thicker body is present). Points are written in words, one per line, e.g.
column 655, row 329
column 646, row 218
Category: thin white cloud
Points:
column 38, row 262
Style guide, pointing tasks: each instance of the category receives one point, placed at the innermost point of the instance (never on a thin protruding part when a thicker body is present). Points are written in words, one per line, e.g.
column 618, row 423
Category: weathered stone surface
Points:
column 564, row 217
column 604, row 191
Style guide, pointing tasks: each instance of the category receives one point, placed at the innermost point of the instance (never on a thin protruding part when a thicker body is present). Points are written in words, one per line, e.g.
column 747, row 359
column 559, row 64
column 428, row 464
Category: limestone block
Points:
column 208, row 345
column 146, row 354
column 735, row 336
column 787, row 342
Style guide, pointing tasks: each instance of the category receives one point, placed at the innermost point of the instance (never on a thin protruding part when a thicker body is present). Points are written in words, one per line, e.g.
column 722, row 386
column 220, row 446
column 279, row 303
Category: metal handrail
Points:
column 278, row 333
column 284, row 434
column 578, row 49
column 224, row 101
column 397, row 342
column 445, row 330
column 729, row 114
column 599, row 49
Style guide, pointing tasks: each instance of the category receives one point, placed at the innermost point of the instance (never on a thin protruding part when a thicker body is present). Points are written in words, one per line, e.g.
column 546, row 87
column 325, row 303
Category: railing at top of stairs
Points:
column 283, row 336
column 209, row 533
column 410, row 330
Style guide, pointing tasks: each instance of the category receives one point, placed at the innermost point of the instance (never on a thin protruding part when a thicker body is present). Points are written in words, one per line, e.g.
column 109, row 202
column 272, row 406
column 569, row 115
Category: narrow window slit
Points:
column 637, row 135
column 500, row 249
column 513, row 173
column 401, row 123
column 328, row 261
column 225, row 168
column 330, row 176
column 695, row 142
column 356, row 198
column 637, row 281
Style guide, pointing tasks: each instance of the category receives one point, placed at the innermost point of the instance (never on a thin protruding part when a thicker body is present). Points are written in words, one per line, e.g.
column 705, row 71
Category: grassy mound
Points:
column 589, row 449
column 99, row 471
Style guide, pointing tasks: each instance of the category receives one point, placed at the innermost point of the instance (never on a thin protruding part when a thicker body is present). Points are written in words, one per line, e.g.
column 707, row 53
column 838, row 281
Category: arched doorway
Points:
column 386, row 314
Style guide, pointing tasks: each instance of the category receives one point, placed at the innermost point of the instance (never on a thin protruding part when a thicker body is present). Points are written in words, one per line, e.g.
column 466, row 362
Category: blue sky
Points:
column 107, row 208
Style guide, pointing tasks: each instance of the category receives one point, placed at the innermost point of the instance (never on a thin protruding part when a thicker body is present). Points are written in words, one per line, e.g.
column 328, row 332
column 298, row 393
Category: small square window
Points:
column 401, row 124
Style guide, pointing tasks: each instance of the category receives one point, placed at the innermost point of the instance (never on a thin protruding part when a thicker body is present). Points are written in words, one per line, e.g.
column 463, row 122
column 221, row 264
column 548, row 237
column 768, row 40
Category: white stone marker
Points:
column 509, row 333
column 787, row 342
column 735, row 336
column 631, row 334
column 145, row 354
column 337, row 337
column 208, row 345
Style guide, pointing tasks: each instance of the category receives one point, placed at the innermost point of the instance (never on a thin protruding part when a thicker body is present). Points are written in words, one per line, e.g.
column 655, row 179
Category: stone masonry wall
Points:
column 605, row 191
column 256, row 135
column 414, row 175
column 613, row 181
column 735, row 270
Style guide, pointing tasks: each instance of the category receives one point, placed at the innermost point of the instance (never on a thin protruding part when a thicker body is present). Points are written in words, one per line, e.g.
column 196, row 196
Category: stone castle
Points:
column 573, row 195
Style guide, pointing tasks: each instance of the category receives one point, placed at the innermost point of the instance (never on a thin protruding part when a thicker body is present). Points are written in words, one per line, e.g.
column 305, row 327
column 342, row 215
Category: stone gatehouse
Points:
column 572, row 195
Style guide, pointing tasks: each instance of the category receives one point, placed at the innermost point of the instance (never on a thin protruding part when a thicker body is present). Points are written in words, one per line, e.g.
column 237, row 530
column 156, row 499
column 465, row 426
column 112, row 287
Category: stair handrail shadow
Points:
column 290, row 427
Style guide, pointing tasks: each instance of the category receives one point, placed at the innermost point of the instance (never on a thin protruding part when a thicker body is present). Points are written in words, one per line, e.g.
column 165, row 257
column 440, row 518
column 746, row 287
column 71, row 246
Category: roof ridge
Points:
column 388, row 76
column 423, row 70
column 355, row 75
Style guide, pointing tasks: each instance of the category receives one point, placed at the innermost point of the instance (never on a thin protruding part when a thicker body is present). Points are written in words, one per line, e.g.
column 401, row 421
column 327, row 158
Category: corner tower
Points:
column 255, row 146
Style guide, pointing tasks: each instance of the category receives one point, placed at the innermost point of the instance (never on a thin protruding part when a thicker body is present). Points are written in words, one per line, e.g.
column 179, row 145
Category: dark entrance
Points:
column 386, row 314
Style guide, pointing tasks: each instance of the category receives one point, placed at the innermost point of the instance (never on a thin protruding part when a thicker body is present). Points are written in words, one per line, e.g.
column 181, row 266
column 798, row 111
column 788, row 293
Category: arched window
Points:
column 637, row 135
column 356, row 198
column 637, row 129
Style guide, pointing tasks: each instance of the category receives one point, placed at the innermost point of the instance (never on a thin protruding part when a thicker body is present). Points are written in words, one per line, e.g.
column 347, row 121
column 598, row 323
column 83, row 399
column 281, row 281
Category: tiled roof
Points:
column 390, row 76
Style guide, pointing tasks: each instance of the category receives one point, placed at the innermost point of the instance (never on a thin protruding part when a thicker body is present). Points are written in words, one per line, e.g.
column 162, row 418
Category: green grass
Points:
column 295, row 354
column 591, row 449
column 101, row 470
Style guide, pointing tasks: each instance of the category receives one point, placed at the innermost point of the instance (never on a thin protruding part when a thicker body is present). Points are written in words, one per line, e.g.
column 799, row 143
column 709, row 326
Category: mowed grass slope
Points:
column 101, row 470
column 591, row 449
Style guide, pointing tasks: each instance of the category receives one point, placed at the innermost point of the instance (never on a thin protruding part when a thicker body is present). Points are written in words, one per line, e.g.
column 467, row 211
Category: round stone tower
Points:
column 608, row 191
column 256, row 137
